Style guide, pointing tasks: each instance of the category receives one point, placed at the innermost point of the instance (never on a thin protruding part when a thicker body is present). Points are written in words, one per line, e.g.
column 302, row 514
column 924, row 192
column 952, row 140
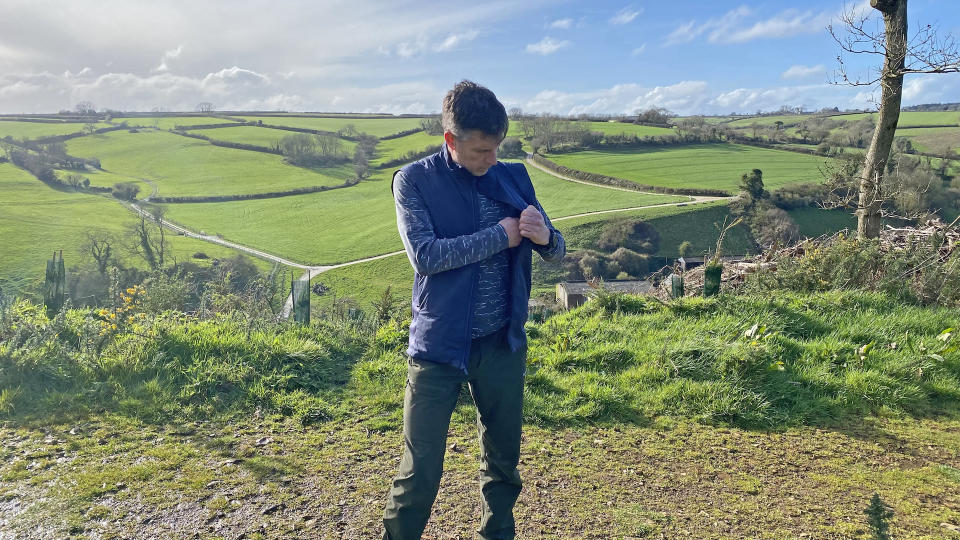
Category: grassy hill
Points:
column 708, row 166
column 32, row 130
column 36, row 220
column 378, row 127
column 184, row 166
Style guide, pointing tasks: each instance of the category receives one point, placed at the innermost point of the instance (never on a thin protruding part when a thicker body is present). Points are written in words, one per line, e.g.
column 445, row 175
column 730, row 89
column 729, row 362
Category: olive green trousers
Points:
column 495, row 377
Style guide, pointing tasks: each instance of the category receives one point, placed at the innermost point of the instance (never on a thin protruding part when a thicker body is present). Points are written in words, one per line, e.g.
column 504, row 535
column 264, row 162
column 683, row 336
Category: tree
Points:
column 923, row 53
column 654, row 115
column 204, row 107
column 149, row 240
column 85, row 108
column 511, row 147
column 752, row 184
column 99, row 245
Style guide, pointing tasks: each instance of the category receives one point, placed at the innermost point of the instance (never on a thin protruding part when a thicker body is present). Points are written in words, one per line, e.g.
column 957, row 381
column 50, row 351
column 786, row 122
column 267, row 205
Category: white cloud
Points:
column 716, row 26
column 625, row 15
column 546, row 46
column 561, row 24
column 457, row 39
column 681, row 97
column 168, row 55
column 733, row 28
column 799, row 71
column 697, row 97
column 788, row 23
column 424, row 44
column 639, row 50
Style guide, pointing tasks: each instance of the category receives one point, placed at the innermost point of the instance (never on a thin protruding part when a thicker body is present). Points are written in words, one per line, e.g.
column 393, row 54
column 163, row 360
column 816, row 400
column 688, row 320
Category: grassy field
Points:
column 366, row 282
column 616, row 128
column 814, row 222
column 32, row 130
column 261, row 136
column 169, row 122
column 649, row 420
column 912, row 119
column 932, row 139
column 184, row 166
column 394, row 148
column 378, row 127
column 708, row 166
column 327, row 227
column 103, row 178
column 36, row 220
column 787, row 119
column 676, row 224
column 561, row 198
column 360, row 221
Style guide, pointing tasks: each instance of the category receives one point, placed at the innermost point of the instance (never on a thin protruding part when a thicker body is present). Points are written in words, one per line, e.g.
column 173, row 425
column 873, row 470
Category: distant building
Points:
column 571, row 294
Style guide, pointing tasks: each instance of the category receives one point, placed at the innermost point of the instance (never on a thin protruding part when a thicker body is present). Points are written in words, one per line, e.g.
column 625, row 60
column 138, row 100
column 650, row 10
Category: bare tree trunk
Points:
column 891, row 83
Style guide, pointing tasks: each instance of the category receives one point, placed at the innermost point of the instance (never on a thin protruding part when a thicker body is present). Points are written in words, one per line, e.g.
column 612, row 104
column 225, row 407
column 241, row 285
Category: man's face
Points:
column 476, row 152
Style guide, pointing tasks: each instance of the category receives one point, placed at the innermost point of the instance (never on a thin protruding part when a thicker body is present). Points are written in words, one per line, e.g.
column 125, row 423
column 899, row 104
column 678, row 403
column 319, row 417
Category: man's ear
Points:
column 449, row 139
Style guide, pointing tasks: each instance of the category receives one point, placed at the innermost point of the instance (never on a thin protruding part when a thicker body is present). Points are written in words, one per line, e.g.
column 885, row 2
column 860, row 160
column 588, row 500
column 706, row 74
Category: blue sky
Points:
column 563, row 57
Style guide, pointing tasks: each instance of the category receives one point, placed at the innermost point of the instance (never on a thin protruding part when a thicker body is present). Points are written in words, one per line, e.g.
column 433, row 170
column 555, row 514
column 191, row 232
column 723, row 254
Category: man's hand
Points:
column 533, row 227
column 512, row 226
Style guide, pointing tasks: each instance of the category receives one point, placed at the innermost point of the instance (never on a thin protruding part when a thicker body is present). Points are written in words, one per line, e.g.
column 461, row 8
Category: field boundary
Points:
column 250, row 196
column 229, row 144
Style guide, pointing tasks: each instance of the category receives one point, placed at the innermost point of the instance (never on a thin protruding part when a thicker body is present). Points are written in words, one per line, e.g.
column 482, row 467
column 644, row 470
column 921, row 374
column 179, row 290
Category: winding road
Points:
column 311, row 271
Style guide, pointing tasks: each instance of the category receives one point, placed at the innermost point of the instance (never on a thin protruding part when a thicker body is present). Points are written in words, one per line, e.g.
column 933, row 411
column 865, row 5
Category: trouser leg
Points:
column 497, row 388
column 430, row 396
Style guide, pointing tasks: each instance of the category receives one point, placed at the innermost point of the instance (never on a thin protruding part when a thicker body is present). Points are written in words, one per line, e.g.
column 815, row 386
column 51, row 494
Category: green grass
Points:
column 932, row 139
column 314, row 228
column 184, row 166
column 33, row 130
column 704, row 166
column 760, row 405
column 378, row 127
column 36, row 220
column 676, row 224
column 261, row 136
column 394, row 148
column 366, row 282
column 616, row 128
column 103, row 178
column 788, row 120
column 564, row 198
column 814, row 222
column 911, row 119
column 607, row 128
column 327, row 227
column 170, row 122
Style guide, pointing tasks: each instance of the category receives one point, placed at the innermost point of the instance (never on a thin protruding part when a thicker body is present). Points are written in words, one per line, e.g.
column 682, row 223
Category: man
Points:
column 469, row 224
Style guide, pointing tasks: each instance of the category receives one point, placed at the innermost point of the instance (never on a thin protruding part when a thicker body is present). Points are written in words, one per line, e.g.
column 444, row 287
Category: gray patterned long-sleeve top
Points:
column 429, row 254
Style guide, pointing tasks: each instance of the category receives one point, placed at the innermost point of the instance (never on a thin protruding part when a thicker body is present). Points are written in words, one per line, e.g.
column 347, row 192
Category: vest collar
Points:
column 492, row 184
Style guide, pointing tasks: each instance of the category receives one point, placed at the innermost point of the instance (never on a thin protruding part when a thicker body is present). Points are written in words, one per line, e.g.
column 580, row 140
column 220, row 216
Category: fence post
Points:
column 300, row 293
column 54, row 285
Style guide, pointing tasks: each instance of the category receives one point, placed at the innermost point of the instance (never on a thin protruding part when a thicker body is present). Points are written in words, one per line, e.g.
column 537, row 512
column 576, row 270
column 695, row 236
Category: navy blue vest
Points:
column 443, row 303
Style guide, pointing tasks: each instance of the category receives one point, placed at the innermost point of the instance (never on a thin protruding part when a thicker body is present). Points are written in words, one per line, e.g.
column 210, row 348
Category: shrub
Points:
column 126, row 191
column 512, row 147
column 631, row 262
column 634, row 234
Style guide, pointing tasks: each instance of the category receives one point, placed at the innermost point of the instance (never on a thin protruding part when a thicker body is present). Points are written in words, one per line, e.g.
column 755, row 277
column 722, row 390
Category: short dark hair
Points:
column 469, row 106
